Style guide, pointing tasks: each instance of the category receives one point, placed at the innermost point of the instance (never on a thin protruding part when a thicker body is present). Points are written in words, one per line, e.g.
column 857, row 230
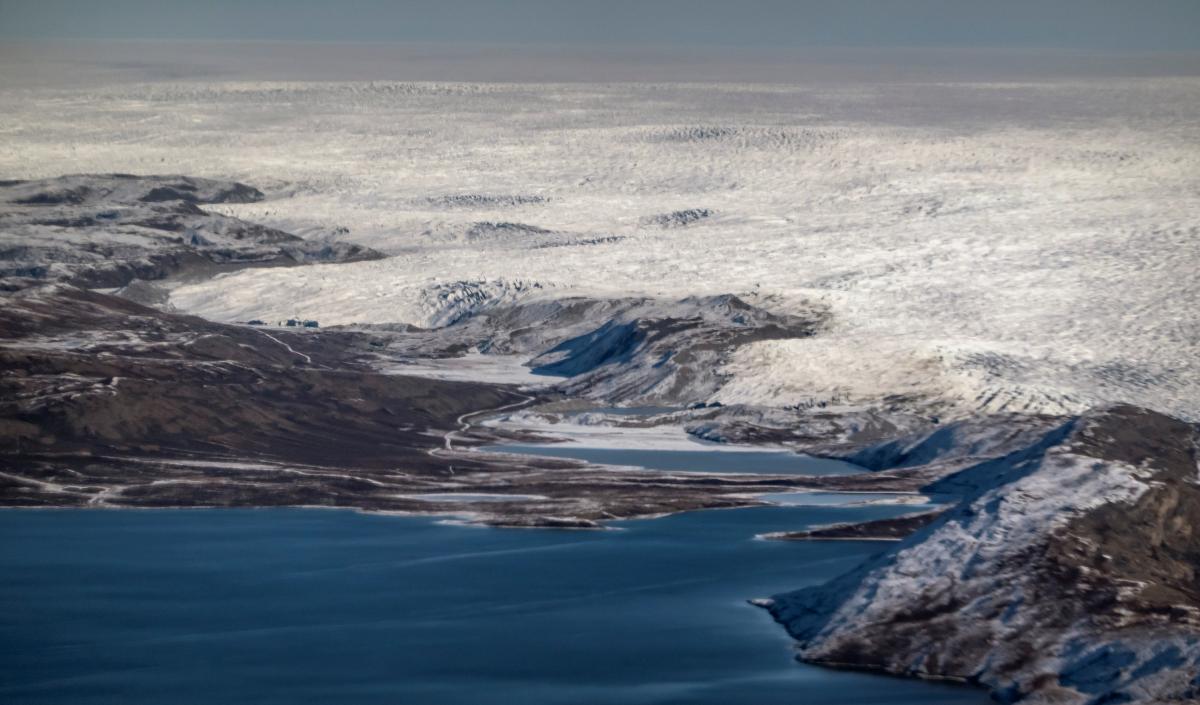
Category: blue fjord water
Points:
column 308, row 606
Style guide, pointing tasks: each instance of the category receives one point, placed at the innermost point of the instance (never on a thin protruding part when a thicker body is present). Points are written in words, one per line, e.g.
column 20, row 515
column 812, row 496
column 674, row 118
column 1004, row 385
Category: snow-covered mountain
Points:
column 1065, row 574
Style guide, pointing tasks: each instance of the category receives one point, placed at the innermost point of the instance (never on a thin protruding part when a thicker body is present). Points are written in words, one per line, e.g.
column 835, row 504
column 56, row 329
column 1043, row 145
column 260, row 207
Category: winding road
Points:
column 464, row 424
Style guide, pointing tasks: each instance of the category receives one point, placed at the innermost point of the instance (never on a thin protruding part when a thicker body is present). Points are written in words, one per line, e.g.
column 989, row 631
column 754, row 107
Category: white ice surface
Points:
column 665, row 437
column 1007, row 246
column 474, row 367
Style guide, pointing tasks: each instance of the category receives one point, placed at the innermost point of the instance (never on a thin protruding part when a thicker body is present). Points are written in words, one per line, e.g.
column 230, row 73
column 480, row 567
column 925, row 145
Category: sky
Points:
column 1096, row 25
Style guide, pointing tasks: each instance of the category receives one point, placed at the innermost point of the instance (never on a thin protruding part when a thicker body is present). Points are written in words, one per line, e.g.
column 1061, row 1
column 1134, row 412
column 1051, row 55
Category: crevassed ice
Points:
column 1009, row 246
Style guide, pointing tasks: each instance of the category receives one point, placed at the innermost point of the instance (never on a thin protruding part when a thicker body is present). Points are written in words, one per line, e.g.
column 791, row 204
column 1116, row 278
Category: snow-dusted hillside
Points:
column 1065, row 574
column 1007, row 246
column 113, row 230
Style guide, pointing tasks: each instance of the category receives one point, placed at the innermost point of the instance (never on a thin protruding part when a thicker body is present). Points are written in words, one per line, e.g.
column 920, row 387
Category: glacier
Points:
column 1006, row 247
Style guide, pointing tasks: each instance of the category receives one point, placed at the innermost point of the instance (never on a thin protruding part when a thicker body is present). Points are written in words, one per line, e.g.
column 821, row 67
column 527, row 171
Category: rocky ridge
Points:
column 111, row 230
column 1065, row 574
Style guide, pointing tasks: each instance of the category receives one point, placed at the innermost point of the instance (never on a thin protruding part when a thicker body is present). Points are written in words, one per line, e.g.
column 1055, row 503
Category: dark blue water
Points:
column 306, row 606
column 770, row 462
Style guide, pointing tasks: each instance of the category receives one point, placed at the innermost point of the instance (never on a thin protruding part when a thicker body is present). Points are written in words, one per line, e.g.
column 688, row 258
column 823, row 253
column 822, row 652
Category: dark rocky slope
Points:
column 85, row 374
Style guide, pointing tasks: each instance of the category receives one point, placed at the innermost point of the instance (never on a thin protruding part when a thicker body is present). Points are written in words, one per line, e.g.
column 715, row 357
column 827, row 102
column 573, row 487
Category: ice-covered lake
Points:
column 701, row 459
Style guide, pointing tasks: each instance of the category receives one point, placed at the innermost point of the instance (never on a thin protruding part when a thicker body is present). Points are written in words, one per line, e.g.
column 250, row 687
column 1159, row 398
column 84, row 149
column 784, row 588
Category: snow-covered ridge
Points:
column 1056, row 579
column 114, row 230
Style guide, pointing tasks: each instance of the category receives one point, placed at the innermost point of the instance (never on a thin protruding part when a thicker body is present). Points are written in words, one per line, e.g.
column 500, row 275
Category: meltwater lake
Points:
column 313, row 606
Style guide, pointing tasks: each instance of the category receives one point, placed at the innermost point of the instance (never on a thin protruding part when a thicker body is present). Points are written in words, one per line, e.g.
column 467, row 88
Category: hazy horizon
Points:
column 50, row 63
column 1108, row 25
